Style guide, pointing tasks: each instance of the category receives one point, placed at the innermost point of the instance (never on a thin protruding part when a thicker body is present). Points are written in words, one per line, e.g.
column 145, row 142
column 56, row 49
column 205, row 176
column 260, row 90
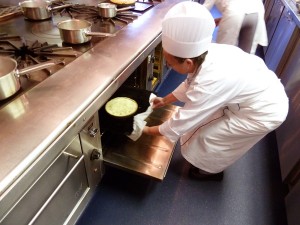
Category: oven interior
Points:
column 150, row 155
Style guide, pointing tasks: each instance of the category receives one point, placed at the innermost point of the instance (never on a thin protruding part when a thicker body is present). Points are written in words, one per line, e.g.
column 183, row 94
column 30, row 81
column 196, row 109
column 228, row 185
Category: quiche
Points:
column 123, row 2
column 121, row 107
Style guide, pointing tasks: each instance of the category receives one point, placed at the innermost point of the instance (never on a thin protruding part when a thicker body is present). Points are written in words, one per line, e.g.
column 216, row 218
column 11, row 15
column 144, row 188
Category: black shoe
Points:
column 195, row 173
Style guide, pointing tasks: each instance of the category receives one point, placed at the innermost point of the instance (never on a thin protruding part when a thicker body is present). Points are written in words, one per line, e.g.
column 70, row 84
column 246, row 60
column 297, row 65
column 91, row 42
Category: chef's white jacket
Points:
column 231, row 102
column 233, row 13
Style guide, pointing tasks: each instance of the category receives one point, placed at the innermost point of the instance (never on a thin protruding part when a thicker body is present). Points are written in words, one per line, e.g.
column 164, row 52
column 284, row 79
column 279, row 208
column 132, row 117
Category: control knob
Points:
column 95, row 154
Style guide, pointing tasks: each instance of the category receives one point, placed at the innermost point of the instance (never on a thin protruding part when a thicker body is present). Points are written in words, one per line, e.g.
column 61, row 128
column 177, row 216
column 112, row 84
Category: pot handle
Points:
column 99, row 34
column 37, row 67
column 60, row 7
column 125, row 8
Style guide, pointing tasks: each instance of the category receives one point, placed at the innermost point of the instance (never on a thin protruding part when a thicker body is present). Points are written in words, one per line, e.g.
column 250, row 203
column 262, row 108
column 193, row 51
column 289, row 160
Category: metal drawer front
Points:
column 60, row 205
column 33, row 199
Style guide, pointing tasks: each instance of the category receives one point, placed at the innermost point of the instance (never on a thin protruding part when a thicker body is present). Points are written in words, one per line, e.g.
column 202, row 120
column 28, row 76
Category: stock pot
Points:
column 9, row 75
column 36, row 10
column 75, row 31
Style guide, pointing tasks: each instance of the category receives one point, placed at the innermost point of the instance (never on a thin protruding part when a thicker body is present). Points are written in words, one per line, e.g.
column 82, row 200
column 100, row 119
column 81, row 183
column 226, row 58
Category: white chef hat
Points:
column 187, row 30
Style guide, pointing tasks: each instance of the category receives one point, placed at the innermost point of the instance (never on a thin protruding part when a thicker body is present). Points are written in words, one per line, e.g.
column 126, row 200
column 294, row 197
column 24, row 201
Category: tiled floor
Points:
column 250, row 193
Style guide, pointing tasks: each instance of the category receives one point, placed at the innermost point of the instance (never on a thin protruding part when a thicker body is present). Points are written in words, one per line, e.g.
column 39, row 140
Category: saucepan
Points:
column 39, row 10
column 75, row 31
column 9, row 75
column 108, row 10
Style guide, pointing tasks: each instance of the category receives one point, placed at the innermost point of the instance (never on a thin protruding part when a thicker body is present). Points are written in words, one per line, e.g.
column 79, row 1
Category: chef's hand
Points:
column 154, row 131
column 158, row 102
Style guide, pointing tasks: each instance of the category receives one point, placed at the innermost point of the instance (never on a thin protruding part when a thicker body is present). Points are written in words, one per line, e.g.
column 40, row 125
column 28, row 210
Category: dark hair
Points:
column 197, row 60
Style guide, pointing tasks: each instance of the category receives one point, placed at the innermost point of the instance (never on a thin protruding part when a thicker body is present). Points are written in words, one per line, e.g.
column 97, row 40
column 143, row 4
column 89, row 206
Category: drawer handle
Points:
column 55, row 192
column 71, row 155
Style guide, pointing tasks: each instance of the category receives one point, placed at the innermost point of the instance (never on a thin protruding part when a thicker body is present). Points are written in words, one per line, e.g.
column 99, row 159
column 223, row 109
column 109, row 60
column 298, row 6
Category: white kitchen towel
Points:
column 139, row 121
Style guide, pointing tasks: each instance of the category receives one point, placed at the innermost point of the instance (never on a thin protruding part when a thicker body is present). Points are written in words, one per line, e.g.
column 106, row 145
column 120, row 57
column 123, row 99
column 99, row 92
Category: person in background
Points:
column 242, row 23
column 231, row 99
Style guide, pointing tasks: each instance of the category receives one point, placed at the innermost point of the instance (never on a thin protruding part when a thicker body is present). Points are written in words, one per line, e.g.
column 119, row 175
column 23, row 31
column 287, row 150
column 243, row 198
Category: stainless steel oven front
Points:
column 57, row 188
column 148, row 156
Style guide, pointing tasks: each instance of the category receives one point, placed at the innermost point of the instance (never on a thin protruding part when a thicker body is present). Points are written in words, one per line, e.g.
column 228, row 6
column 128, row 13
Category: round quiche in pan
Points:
column 123, row 3
column 121, row 107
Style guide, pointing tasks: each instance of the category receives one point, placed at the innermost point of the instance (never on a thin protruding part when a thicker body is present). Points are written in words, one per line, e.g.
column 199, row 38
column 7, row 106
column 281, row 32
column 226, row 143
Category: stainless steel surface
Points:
column 38, row 10
column 92, row 150
column 35, row 201
column 288, row 134
column 293, row 11
column 76, row 31
column 280, row 38
column 108, row 10
column 274, row 9
column 9, row 83
column 59, row 183
column 40, row 122
column 149, row 155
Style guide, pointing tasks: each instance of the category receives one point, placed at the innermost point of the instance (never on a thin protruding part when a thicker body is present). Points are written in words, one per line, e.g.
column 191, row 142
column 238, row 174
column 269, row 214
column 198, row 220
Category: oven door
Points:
column 148, row 156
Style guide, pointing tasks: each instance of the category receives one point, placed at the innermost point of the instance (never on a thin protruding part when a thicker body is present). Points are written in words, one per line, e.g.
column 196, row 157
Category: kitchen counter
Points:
column 58, row 107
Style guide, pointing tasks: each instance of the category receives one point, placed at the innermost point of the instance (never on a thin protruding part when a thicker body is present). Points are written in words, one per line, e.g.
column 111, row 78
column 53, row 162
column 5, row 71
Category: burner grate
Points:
column 7, row 12
column 90, row 13
column 28, row 53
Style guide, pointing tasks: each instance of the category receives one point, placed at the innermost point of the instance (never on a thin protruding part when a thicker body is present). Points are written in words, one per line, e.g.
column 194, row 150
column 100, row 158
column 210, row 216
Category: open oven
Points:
column 148, row 156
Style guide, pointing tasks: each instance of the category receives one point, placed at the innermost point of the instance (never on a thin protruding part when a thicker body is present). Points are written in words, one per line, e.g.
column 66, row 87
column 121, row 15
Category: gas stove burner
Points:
column 91, row 13
column 72, row 10
column 28, row 53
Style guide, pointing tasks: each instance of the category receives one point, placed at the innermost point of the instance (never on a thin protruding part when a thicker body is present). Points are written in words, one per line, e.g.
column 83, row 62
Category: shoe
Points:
column 195, row 173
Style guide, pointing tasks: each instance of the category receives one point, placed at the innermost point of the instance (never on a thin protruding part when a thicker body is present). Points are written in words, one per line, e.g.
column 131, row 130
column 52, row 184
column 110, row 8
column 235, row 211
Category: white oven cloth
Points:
column 139, row 121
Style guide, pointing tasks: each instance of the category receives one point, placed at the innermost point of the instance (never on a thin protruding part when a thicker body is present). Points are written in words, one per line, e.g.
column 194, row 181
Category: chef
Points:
column 232, row 100
column 242, row 23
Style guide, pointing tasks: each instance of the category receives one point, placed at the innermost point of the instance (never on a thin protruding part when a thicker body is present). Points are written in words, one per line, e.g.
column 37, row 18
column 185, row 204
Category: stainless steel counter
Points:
column 59, row 107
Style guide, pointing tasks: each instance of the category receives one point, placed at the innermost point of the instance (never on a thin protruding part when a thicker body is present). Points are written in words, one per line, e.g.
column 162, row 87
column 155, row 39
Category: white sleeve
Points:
column 200, row 107
column 180, row 92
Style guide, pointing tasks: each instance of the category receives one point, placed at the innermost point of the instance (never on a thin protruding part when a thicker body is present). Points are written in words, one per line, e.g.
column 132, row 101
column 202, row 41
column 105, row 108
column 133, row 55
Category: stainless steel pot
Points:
column 108, row 10
column 37, row 10
column 9, row 75
column 76, row 31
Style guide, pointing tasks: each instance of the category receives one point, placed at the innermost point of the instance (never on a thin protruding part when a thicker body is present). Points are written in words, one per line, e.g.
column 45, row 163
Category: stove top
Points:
column 31, row 42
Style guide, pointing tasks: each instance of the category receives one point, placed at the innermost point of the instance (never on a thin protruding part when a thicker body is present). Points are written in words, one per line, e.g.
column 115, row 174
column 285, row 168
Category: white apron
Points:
column 233, row 13
column 227, row 109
